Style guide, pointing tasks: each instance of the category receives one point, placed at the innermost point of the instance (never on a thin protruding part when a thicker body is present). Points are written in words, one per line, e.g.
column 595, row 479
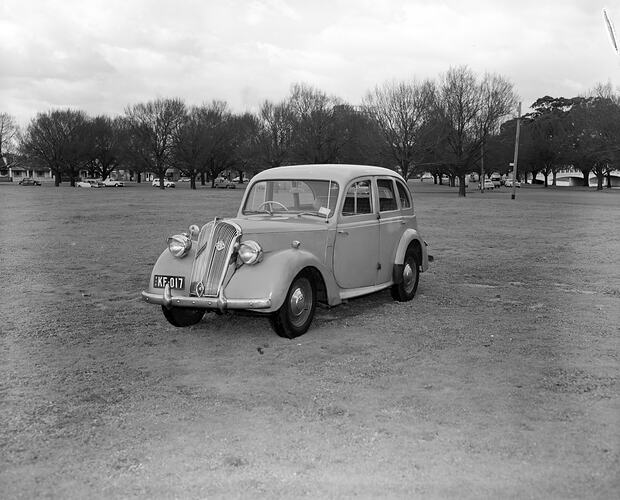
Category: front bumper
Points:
column 222, row 303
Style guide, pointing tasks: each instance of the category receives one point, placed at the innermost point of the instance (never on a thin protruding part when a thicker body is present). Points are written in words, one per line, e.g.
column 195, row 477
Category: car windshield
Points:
column 296, row 196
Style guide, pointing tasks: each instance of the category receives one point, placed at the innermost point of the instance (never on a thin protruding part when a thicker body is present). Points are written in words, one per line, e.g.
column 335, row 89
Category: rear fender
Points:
column 412, row 237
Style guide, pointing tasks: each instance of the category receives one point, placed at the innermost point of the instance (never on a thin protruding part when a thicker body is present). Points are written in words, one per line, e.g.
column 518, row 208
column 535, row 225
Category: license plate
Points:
column 175, row 282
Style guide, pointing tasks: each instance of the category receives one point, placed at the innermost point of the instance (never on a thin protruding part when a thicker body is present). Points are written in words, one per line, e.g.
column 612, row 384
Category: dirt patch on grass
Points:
column 500, row 379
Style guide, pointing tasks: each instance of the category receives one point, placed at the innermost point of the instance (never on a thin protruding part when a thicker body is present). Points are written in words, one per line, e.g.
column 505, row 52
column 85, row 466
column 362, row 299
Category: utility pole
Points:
column 514, row 167
column 482, row 166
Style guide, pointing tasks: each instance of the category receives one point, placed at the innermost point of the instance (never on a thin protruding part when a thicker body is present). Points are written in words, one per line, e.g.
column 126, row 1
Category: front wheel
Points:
column 183, row 316
column 294, row 317
column 406, row 288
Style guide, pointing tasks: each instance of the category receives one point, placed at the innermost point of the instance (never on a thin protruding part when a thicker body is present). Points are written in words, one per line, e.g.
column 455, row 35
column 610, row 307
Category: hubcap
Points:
column 300, row 301
column 408, row 277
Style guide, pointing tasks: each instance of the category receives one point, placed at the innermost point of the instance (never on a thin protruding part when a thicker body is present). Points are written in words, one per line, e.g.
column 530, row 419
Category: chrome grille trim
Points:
column 216, row 244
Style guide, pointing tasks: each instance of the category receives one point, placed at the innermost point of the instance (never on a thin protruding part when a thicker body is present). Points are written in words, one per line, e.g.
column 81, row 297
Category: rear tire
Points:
column 294, row 317
column 183, row 316
column 405, row 290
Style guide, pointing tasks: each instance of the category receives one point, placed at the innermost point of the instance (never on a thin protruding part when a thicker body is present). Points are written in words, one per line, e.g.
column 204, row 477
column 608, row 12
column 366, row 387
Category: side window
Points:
column 403, row 194
column 387, row 197
column 358, row 199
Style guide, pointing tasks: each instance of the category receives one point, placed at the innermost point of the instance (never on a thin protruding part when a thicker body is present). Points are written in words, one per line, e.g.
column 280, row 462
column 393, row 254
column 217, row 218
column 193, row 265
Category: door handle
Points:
column 341, row 231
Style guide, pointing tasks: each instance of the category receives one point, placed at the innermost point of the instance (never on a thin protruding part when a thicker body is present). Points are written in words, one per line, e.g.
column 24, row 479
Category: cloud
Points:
column 101, row 56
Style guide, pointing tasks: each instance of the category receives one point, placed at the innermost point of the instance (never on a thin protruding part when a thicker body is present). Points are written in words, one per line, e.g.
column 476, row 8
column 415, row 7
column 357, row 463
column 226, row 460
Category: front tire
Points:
column 406, row 288
column 183, row 316
column 294, row 317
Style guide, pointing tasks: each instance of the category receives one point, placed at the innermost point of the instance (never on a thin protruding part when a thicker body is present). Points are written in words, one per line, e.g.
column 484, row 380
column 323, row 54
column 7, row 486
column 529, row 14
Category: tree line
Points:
column 580, row 133
column 445, row 126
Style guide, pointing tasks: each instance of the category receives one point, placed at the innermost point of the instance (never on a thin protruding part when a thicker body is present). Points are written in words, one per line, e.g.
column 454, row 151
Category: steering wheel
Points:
column 271, row 203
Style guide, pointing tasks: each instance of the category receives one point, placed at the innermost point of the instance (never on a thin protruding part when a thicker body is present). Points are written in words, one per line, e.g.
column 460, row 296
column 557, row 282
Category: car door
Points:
column 356, row 249
column 391, row 226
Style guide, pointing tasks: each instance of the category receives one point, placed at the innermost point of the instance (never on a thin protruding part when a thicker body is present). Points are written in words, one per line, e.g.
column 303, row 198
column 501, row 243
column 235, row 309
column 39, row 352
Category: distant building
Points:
column 14, row 170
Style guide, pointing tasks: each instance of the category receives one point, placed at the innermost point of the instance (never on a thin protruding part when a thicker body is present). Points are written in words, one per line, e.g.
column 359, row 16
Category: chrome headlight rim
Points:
column 179, row 245
column 250, row 252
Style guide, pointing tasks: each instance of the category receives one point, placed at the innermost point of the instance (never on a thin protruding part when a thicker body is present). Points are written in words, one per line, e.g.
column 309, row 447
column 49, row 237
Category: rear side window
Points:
column 403, row 194
column 358, row 199
column 387, row 197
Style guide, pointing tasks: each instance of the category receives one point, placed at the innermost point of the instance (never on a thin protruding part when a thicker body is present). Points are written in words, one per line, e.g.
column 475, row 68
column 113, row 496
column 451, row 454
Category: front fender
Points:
column 272, row 277
column 409, row 236
column 169, row 265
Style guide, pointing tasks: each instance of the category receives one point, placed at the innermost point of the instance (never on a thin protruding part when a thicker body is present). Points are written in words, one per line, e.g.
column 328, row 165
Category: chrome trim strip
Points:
column 221, row 303
column 349, row 293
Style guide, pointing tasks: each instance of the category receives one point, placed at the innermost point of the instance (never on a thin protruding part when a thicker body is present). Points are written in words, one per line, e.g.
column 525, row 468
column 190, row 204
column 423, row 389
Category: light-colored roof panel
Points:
column 331, row 171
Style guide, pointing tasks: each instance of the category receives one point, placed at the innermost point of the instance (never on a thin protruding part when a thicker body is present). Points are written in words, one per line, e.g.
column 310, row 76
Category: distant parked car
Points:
column 223, row 182
column 508, row 183
column 111, row 183
column 496, row 179
column 29, row 181
column 90, row 183
column 184, row 179
column 488, row 184
column 167, row 183
column 426, row 177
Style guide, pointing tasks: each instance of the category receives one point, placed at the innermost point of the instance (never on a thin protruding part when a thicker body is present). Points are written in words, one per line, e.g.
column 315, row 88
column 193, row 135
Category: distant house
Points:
column 12, row 169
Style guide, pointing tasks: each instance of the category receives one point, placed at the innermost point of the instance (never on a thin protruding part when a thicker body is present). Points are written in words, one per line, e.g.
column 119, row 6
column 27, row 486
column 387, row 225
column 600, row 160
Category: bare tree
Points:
column 316, row 134
column 154, row 127
column 401, row 110
column 9, row 138
column 362, row 141
column 246, row 147
column 274, row 137
column 217, row 129
column 58, row 140
column 471, row 110
column 192, row 149
column 105, row 137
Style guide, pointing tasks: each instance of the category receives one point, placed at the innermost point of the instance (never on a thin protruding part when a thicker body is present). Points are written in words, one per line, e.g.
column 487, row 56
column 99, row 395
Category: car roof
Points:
column 329, row 171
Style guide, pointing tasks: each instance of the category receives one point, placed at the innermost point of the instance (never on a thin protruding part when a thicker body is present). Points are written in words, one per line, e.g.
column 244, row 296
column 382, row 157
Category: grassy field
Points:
column 499, row 380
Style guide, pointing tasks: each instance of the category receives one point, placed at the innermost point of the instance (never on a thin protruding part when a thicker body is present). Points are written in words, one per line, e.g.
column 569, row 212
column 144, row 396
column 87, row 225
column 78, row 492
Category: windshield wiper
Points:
column 316, row 214
column 254, row 212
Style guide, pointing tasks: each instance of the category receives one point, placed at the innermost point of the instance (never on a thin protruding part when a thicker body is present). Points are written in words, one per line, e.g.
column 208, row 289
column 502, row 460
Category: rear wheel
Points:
column 406, row 288
column 294, row 317
column 183, row 316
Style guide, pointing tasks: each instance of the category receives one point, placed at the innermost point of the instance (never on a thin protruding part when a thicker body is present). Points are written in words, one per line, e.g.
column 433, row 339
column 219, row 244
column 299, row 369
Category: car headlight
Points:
column 250, row 252
column 179, row 245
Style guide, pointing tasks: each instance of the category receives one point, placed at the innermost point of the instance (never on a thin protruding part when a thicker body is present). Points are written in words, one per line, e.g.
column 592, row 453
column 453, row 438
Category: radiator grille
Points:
column 215, row 247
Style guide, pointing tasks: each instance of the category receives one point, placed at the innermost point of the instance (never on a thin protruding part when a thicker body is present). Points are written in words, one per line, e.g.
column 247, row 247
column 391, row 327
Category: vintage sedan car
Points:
column 509, row 183
column 223, row 182
column 90, row 183
column 167, row 183
column 29, row 181
column 426, row 177
column 113, row 183
column 496, row 179
column 303, row 235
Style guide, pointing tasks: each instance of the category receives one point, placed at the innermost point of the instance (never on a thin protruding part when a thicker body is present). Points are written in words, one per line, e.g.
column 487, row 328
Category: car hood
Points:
column 278, row 232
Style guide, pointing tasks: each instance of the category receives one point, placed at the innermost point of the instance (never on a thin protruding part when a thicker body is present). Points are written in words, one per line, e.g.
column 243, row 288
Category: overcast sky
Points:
column 100, row 56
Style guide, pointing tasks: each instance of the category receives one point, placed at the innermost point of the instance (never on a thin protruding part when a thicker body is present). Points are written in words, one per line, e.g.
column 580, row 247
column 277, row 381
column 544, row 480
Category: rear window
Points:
column 403, row 194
